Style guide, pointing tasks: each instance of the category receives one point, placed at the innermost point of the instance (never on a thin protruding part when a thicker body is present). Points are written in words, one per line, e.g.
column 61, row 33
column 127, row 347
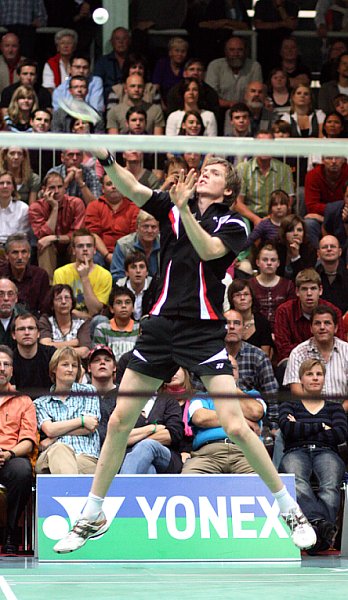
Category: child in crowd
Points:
column 268, row 228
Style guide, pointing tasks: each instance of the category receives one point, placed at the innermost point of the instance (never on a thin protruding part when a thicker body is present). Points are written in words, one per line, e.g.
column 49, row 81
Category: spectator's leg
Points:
column 147, row 456
column 313, row 229
column 299, row 461
column 17, row 477
column 86, row 464
column 47, row 260
column 58, row 459
column 329, row 469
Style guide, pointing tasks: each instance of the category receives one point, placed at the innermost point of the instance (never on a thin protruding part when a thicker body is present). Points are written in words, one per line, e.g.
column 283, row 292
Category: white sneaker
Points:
column 302, row 532
column 82, row 531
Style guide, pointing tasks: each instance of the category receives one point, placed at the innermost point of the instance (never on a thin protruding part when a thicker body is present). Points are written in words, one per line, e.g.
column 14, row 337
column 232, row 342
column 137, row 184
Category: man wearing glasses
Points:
column 30, row 358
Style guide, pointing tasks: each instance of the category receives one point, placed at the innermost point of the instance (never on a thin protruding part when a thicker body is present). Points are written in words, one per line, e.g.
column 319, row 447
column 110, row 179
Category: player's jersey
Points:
column 190, row 287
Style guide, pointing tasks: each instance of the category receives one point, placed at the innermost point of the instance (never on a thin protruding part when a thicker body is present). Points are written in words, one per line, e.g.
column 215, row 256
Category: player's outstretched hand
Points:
column 183, row 189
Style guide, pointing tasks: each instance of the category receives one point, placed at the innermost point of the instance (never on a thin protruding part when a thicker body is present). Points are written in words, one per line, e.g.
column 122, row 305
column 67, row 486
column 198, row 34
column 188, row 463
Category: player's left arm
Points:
column 206, row 246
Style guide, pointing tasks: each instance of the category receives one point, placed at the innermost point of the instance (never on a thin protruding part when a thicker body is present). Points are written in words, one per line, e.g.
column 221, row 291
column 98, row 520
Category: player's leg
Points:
column 233, row 422
column 92, row 521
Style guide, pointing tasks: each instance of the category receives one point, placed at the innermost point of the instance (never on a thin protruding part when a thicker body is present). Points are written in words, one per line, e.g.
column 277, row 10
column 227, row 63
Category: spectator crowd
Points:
column 80, row 263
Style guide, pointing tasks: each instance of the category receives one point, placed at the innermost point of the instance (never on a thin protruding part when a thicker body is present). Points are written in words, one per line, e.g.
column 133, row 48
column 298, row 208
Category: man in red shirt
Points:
column 110, row 217
column 292, row 318
column 323, row 184
column 54, row 218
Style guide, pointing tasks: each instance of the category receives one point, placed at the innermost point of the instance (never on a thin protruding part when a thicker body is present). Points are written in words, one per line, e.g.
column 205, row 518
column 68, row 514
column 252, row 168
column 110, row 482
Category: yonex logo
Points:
column 219, row 366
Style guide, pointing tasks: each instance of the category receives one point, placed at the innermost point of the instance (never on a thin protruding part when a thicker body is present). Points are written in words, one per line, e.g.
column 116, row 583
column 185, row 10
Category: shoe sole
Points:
column 95, row 536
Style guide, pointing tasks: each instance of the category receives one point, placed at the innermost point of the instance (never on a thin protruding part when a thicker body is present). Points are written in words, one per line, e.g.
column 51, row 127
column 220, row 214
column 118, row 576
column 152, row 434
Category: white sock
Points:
column 92, row 507
column 285, row 501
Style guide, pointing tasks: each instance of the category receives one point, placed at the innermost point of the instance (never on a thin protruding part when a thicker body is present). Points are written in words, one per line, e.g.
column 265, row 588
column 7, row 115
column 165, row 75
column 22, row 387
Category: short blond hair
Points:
column 308, row 364
column 58, row 356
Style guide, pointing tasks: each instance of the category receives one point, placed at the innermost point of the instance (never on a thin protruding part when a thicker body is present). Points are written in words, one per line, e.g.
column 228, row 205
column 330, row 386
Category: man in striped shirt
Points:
column 326, row 347
column 260, row 176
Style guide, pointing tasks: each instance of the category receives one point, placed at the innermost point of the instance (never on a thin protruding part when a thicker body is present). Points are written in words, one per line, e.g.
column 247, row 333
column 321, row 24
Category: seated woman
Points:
column 312, row 429
column 256, row 330
column 191, row 100
column 59, row 328
column 16, row 160
column 14, row 217
column 294, row 252
column 23, row 103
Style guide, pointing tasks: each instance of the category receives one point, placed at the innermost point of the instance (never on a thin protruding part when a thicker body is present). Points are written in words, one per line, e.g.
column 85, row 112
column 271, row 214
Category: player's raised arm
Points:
column 123, row 179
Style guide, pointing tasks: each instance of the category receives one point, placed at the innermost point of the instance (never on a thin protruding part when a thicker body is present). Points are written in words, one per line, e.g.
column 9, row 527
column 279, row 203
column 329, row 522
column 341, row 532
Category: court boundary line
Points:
column 6, row 589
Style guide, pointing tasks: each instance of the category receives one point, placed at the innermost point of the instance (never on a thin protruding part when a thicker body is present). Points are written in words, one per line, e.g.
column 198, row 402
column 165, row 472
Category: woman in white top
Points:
column 13, row 213
column 191, row 100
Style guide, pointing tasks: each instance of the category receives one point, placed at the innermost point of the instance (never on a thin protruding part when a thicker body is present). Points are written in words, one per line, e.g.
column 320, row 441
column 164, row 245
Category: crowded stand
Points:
column 80, row 263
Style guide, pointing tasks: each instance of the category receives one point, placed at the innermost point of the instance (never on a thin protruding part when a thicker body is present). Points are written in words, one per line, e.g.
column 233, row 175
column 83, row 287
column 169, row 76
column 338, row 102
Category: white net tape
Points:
column 179, row 144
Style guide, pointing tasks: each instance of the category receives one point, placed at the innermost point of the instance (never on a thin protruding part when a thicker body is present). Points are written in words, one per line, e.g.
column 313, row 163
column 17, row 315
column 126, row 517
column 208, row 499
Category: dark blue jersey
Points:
column 190, row 287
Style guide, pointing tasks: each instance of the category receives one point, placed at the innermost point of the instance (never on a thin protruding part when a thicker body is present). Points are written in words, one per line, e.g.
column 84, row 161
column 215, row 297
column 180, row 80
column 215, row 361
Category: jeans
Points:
column 329, row 470
column 313, row 229
column 147, row 456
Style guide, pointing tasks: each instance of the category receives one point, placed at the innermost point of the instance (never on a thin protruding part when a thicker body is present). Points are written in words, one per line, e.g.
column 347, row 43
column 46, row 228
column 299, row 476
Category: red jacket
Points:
column 108, row 224
column 54, row 64
column 317, row 191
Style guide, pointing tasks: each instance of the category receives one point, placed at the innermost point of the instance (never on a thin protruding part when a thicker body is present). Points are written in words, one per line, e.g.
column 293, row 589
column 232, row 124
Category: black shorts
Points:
column 166, row 344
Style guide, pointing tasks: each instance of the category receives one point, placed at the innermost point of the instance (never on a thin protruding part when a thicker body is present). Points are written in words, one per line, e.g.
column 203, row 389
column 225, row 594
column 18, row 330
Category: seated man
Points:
column 90, row 283
column 121, row 332
column 62, row 121
column 324, row 346
column 30, row 359
column 333, row 272
column 254, row 367
column 27, row 77
column 259, row 176
column 140, row 282
column 42, row 159
column 102, row 370
column 18, row 437
column 111, row 217
column 69, row 421
column 31, row 281
column 54, row 217
column 79, row 180
column 80, row 64
column 312, row 429
column 292, row 318
column 145, row 240
column 9, row 309
column 212, row 450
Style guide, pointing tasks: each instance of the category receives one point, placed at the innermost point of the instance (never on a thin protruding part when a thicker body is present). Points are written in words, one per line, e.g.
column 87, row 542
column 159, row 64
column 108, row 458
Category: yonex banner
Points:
column 169, row 517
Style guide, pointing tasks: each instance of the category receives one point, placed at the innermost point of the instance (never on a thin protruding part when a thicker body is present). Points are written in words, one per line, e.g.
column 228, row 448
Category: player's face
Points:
column 41, row 122
column 6, row 370
column 212, row 181
column 268, row 262
column 66, row 372
column 18, row 255
column 84, row 248
column 26, row 332
column 137, row 272
column 8, row 298
column 313, row 380
column 148, row 231
column 308, row 294
column 122, row 308
column 323, row 328
column 102, row 366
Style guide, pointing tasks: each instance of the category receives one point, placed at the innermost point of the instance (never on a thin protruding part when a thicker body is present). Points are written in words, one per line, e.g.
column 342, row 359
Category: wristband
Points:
column 82, row 421
column 154, row 428
column 108, row 161
column 12, row 454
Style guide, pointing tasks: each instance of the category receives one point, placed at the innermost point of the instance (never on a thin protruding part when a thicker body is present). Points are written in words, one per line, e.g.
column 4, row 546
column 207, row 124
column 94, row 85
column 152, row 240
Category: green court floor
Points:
column 324, row 577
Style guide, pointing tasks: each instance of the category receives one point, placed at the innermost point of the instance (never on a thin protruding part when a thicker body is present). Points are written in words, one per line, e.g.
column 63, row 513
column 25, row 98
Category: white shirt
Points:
column 48, row 75
column 13, row 219
column 175, row 119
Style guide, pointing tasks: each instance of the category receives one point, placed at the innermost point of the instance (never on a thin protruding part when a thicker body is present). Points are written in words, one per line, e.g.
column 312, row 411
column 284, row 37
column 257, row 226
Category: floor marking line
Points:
column 6, row 589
